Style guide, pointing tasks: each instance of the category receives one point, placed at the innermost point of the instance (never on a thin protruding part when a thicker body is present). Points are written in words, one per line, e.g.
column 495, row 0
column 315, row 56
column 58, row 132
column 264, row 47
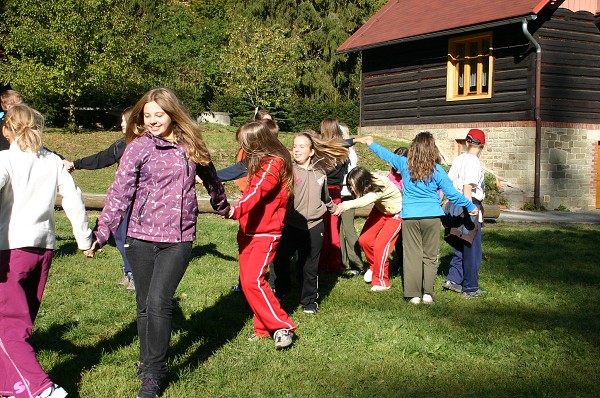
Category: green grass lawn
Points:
column 535, row 335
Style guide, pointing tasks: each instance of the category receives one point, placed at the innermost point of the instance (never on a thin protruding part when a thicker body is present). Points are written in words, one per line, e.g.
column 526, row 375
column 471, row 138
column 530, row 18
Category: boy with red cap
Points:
column 468, row 177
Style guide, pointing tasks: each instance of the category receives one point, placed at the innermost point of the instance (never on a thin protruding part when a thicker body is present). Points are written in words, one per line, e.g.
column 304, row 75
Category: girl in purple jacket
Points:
column 156, row 175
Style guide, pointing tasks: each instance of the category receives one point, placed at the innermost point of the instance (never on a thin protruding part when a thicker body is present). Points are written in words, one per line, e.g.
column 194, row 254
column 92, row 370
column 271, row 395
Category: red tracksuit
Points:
column 261, row 211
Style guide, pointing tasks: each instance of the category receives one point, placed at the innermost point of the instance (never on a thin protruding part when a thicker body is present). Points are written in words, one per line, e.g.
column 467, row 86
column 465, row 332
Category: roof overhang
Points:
column 401, row 21
column 448, row 32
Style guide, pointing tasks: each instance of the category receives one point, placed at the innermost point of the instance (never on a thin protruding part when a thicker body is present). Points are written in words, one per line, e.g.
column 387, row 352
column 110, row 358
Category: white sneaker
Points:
column 427, row 299
column 415, row 300
column 378, row 288
column 283, row 338
column 368, row 277
column 54, row 391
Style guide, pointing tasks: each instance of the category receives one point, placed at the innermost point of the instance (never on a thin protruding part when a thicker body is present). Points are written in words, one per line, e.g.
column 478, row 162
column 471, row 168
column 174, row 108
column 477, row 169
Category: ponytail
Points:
column 25, row 126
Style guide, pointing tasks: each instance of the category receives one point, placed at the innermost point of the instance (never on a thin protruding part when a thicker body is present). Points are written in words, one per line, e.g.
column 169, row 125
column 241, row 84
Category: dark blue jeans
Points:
column 157, row 269
column 465, row 264
column 120, row 238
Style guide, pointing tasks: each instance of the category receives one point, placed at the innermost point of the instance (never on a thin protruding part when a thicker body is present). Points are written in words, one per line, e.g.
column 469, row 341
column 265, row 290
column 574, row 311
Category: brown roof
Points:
column 403, row 19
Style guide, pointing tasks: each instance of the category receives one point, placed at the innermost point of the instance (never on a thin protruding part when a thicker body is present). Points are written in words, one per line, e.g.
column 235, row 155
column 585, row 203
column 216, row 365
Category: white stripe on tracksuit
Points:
column 385, row 254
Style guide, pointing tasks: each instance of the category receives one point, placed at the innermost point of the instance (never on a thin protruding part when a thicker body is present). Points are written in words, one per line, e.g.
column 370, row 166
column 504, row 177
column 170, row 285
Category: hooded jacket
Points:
column 157, row 177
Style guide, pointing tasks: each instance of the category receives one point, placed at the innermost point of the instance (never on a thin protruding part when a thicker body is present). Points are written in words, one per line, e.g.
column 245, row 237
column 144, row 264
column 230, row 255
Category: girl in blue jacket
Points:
column 421, row 211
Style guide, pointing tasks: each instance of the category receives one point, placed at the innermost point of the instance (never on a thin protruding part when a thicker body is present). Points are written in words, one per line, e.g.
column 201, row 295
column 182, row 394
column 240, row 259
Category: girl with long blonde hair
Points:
column 156, row 182
column 30, row 177
column 331, row 254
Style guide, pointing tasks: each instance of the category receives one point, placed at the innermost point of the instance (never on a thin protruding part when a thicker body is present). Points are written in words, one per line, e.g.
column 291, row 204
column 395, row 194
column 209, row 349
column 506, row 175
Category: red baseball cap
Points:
column 476, row 136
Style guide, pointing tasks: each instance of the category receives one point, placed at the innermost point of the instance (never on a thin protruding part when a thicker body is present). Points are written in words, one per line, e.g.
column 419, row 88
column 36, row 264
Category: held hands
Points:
column 69, row 165
column 93, row 249
column 368, row 140
column 339, row 210
column 474, row 212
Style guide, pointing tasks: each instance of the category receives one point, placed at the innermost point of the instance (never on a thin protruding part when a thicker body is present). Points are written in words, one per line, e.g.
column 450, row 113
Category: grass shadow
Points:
column 210, row 248
column 81, row 357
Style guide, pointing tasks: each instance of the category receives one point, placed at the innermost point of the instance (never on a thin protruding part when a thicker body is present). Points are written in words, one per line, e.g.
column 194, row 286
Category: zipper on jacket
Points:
column 141, row 210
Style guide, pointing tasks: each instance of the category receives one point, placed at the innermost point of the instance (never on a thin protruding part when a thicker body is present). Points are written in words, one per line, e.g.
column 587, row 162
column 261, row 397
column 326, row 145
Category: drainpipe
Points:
column 538, row 118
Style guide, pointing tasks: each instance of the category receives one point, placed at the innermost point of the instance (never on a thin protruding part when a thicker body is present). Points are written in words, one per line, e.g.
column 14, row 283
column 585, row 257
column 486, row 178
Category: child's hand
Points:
column 474, row 212
column 69, row 165
column 368, row 140
column 93, row 249
column 340, row 209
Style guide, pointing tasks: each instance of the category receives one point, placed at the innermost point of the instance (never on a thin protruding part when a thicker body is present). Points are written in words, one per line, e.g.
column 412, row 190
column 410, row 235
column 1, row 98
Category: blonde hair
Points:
column 25, row 126
column 328, row 154
column 186, row 131
column 258, row 142
column 423, row 156
column 10, row 98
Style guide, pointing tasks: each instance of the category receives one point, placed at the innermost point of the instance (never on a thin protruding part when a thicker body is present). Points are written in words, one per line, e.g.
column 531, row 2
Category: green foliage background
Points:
column 218, row 55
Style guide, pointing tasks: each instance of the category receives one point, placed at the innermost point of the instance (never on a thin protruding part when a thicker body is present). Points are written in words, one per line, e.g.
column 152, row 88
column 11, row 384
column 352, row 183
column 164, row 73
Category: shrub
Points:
column 493, row 195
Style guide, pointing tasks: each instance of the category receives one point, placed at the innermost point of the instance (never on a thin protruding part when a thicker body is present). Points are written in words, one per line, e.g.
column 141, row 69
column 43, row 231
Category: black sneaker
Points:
column 150, row 387
column 311, row 308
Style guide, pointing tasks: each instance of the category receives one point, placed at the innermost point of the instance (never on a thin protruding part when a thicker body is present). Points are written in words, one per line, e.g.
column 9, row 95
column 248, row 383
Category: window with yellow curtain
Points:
column 470, row 64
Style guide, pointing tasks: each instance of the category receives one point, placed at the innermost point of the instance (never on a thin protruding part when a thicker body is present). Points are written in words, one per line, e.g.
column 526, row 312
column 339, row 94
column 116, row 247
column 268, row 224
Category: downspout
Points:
column 538, row 118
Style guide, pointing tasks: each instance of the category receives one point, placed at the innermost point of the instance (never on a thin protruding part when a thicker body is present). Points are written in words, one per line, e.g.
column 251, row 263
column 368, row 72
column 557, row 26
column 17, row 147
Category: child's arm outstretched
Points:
column 212, row 183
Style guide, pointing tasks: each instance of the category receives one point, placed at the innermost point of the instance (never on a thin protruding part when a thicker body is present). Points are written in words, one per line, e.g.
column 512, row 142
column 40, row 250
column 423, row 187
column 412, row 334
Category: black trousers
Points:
column 308, row 244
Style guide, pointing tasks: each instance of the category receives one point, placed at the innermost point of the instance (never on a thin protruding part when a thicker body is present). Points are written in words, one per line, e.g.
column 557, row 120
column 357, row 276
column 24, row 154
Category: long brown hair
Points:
column 186, row 130
column 25, row 126
column 328, row 154
column 330, row 129
column 423, row 156
column 258, row 142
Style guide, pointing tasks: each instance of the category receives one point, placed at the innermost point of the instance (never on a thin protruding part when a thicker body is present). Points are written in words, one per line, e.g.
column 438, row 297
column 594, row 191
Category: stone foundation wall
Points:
column 569, row 154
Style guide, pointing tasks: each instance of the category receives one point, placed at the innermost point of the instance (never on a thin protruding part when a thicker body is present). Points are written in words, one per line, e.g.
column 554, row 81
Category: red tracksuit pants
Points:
column 23, row 275
column 377, row 239
column 256, row 253
column 331, row 251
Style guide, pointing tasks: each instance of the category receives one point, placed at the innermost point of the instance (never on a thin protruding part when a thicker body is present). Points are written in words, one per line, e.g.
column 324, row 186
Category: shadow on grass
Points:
column 81, row 358
column 213, row 327
column 210, row 248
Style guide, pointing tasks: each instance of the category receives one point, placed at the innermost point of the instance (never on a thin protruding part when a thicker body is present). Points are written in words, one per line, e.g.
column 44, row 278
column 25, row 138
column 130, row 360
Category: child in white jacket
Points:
column 30, row 176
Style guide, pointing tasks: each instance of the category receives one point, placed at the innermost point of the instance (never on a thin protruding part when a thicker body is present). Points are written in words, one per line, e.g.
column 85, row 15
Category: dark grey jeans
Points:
column 157, row 269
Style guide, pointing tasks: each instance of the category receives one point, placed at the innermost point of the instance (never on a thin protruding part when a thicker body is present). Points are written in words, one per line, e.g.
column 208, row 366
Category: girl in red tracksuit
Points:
column 261, row 211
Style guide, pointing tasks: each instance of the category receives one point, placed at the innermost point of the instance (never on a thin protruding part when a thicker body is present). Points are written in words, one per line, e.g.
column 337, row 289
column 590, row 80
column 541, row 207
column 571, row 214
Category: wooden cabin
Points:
column 527, row 72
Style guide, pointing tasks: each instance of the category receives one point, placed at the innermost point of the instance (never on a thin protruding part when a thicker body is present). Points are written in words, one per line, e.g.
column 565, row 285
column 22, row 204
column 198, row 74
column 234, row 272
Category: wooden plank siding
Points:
column 570, row 68
column 405, row 84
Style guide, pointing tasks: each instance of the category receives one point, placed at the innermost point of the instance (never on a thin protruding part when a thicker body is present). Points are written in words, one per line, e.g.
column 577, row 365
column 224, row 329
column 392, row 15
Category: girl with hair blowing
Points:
column 156, row 178
column 30, row 176
column 303, row 230
column 422, row 176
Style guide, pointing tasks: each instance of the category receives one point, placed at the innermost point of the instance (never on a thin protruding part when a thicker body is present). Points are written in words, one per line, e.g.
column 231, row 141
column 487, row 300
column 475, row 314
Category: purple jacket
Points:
column 157, row 180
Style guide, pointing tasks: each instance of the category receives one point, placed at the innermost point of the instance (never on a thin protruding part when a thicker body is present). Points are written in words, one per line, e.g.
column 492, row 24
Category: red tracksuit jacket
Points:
column 261, row 209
